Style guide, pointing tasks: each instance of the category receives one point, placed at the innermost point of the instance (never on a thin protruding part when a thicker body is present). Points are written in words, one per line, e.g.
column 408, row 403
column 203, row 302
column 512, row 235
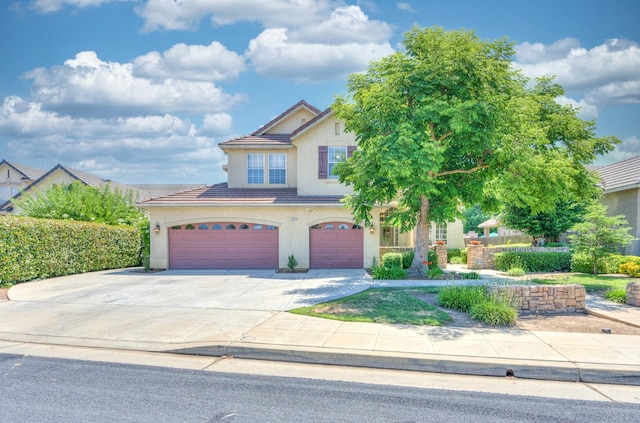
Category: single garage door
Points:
column 336, row 245
column 229, row 245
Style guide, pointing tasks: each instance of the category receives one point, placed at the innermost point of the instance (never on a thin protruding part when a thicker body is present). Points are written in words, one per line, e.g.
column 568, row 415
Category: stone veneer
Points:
column 441, row 251
column 543, row 298
column 633, row 294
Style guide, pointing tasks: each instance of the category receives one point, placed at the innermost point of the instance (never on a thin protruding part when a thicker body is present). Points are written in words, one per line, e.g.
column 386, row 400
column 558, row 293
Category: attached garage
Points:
column 223, row 245
column 336, row 245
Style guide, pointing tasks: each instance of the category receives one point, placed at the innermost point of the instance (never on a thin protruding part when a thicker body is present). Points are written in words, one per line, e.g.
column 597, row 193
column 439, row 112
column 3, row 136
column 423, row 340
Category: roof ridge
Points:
column 272, row 122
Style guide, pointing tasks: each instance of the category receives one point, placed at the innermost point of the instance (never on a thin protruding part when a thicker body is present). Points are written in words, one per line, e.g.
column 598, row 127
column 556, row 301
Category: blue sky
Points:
column 142, row 91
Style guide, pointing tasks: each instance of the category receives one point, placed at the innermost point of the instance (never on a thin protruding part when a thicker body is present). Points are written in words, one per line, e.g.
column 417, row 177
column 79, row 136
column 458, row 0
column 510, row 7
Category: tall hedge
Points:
column 533, row 261
column 42, row 248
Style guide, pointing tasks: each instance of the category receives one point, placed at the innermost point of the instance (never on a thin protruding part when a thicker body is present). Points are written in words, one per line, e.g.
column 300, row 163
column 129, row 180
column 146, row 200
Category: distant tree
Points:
column 599, row 235
column 472, row 217
column 548, row 225
column 449, row 121
column 77, row 201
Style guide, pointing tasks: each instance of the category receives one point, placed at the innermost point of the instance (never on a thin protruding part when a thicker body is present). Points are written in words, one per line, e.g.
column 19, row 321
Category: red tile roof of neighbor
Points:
column 622, row 174
column 221, row 195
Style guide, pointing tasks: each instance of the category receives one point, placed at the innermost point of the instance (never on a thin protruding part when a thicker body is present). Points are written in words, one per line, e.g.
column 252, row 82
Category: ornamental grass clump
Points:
column 462, row 297
column 494, row 313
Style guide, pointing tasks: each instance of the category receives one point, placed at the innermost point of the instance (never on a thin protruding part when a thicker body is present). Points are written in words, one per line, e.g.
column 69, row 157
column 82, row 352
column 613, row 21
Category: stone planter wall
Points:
column 479, row 257
column 543, row 298
column 441, row 251
column 633, row 294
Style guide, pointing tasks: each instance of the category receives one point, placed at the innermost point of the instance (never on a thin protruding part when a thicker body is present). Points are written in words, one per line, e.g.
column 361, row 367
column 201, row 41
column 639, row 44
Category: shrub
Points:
column 391, row 260
column 463, row 255
column 407, row 258
column 616, row 295
column 630, row 265
column 583, row 263
column 456, row 260
column 43, row 248
column 395, row 272
column 469, row 275
column 292, row 262
column 453, row 253
column 493, row 312
column 462, row 297
column 434, row 272
column 534, row 261
column 516, row 272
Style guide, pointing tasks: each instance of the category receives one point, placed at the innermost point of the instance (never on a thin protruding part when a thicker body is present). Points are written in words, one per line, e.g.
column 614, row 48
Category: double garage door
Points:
column 237, row 245
column 231, row 245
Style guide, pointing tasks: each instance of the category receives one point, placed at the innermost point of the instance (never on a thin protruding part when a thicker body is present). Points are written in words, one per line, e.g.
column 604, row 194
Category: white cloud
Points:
column 88, row 86
column 216, row 124
column 191, row 62
column 186, row 14
column 273, row 54
column 48, row 6
column 406, row 7
column 126, row 149
column 628, row 148
column 605, row 74
column 587, row 111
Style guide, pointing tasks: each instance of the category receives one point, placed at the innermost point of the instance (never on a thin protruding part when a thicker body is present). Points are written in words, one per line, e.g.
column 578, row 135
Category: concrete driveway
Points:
column 164, row 310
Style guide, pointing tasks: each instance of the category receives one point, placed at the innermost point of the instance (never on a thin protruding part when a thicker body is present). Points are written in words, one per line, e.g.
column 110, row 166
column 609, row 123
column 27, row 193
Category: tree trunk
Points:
column 421, row 251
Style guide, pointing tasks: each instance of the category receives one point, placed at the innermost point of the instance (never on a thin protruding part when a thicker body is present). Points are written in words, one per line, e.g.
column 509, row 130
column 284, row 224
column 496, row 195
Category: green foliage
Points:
column 547, row 225
column 463, row 255
column 434, row 272
column 44, row 248
column 77, row 201
column 472, row 217
column 394, row 273
column 533, row 261
column 516, row 271
column 462, row 297
column 456, row 260
column 629, row 265
column 407, row 258
column 453, row 252
column 446, row 119
column 391, row 260
column 494, row 313
column 616, row 295
column 469, row 275
column 591, row 283
column 292, row 262
column 599, row 235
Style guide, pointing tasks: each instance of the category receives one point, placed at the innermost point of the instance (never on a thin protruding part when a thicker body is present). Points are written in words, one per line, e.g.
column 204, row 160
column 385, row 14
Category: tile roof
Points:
column 622, row 174
column 266, row 139
column 31, row 173
column 221, row 194
column 148, row 191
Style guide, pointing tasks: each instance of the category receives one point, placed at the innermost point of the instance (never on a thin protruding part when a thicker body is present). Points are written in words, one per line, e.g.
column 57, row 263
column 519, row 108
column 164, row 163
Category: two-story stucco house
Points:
column 281, row 199
column 14, row 178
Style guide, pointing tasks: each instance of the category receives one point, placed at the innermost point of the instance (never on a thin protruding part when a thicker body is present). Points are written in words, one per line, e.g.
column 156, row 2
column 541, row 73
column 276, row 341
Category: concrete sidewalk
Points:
column 278, row 335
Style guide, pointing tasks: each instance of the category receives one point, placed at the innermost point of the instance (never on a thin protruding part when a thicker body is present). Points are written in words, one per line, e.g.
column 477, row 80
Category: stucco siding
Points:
column 293, row 223
column 323, row 133
column 237, row 161
column 627, row 203
column 292, row 122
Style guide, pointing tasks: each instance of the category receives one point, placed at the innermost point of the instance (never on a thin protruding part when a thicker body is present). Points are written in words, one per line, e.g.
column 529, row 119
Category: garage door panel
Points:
column 216, row 247
column 335, row 245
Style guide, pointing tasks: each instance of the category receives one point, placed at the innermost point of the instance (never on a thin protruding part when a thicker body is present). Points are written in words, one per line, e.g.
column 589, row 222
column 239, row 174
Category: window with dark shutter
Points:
column 322, row 161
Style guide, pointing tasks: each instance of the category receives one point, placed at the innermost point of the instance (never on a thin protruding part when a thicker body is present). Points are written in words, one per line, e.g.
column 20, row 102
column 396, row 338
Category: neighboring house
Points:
column 60, row 174
column 14, row 178
column 621, row 194
column 281, row 199
column 501, row 230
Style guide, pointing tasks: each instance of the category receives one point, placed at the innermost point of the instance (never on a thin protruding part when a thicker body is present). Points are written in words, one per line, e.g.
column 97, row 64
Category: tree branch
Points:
column 433, row 134
column 467, row 171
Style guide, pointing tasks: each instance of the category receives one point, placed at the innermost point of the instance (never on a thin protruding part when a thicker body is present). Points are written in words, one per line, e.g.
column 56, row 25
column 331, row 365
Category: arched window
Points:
column 216, row 227
column 230, row 226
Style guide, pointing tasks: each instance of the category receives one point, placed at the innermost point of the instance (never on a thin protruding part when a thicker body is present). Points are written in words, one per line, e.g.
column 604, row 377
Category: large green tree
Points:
column 547, row 225
column 449, row 120
column 599, row 234
column 77, row 201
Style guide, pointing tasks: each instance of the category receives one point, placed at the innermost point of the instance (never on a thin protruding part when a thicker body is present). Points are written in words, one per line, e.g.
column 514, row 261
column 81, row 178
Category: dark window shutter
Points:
column 323, row 161
column 350, row 150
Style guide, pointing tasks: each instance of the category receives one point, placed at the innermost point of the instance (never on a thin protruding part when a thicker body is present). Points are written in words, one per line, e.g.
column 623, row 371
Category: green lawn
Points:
column 591, row 283
column 381, row 305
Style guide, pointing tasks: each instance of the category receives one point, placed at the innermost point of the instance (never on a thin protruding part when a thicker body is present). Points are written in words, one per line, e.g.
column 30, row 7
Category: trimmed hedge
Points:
column 390, row 260
column 534, row 261
column 44, row 248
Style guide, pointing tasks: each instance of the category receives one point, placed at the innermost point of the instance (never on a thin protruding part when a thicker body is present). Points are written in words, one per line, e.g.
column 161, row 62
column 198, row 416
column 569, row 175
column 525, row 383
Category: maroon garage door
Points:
column 336, row 245
column 229, row 245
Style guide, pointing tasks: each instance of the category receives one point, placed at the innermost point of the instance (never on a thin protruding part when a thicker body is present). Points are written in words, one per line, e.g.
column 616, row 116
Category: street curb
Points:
column 608, row 316
column 476, row 366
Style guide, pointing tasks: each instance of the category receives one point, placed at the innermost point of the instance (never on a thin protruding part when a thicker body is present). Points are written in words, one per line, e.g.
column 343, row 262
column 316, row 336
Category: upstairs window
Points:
column 328, row 157
column 255, row 168
column 277, row 168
